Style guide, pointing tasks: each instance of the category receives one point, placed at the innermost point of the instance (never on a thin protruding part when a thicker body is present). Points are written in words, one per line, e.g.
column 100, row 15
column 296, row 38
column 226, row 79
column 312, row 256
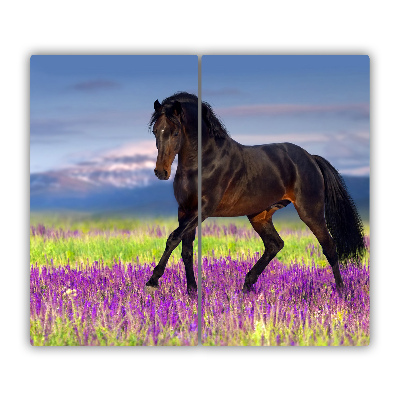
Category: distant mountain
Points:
column 51, row 194
column 127, row 185
column 359, row 190
column 112, row 184
column 117, row 171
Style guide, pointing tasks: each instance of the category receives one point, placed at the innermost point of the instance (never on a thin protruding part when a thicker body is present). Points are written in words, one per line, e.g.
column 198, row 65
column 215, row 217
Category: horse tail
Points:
column 341, row 215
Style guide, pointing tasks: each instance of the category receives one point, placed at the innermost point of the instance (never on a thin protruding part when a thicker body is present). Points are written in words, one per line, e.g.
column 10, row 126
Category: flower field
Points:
column 107, row 305
column 87, row 284
column 87, row 281
column 294, row 302
column 291, row 305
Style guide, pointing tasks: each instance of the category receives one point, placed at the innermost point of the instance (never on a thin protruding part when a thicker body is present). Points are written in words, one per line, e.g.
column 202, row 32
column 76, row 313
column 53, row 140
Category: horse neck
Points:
column 207, row 140
column 188, row 155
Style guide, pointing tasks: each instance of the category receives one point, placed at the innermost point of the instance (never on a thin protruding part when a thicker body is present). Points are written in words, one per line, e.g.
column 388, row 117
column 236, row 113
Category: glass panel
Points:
column 100, row 218
column 279, row 283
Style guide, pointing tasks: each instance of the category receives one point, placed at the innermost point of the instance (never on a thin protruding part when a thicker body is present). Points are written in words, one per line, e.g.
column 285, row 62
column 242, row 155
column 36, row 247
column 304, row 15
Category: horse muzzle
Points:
column 163, row 174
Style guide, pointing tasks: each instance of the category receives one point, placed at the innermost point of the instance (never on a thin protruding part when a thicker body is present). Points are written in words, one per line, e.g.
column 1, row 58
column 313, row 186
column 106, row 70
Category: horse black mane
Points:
column 215, row 126
column 167, row 107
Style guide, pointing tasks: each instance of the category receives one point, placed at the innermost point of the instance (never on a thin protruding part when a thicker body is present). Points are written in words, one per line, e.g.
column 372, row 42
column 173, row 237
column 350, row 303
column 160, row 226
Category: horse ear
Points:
column 157, row 105
column 177, row 108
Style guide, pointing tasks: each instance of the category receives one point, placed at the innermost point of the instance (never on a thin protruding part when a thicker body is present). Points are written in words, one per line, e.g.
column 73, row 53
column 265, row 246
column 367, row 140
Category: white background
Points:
column 206, row 27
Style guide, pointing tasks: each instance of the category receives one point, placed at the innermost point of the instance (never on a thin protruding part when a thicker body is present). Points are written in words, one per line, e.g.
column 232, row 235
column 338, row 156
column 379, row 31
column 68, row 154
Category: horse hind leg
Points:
column 313, row 216
column 273, row 243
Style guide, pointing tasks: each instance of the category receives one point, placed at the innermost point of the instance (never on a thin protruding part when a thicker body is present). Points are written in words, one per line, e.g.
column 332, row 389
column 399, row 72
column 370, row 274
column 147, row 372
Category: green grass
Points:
column 88, row 249
column 86, row 222
column 294, row 250
column 108, row 245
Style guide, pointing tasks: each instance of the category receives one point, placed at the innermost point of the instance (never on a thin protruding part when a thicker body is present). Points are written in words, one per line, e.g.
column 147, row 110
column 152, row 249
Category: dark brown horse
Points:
column 255, row 181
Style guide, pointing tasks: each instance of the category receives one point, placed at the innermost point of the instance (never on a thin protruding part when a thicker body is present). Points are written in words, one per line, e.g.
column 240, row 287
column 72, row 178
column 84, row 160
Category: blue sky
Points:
column 318, row 102
column 81, row 106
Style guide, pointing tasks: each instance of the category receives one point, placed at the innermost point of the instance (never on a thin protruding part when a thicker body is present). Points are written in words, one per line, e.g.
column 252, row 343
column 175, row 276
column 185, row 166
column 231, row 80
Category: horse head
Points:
column 168, row 131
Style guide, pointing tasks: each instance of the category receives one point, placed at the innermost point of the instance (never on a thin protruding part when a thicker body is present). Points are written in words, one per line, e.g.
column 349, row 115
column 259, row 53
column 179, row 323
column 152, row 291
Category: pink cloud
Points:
column 294, row 137
column 360, row 171
column 147, row 147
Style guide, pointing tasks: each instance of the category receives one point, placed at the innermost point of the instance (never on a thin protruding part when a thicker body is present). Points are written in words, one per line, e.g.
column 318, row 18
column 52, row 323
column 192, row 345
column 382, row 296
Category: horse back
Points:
column 267, row 174
column 291, row 168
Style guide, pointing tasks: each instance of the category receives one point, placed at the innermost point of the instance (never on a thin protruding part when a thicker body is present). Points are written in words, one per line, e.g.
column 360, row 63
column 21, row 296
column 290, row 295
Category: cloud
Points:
column 281, row 137
column 144, row 147
column 359, row 110
column 141, row 154
column 57, row 127
column 96, row 85
column 129, row 166
column 360, row 171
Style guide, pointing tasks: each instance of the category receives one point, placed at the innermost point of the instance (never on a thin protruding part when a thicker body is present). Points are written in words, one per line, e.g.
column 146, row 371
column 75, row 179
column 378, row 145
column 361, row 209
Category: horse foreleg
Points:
column 187, row 257
column 185, row 226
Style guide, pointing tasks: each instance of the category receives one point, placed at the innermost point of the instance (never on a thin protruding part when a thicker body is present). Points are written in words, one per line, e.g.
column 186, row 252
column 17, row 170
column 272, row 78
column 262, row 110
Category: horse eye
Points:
column 176, row 133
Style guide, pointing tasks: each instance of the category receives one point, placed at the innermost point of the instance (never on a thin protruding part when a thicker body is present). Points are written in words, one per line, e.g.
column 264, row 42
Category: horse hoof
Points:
column 192, row 292
column 152, row 282
column 247, row 289
column 150, row 289
column 340, row 289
